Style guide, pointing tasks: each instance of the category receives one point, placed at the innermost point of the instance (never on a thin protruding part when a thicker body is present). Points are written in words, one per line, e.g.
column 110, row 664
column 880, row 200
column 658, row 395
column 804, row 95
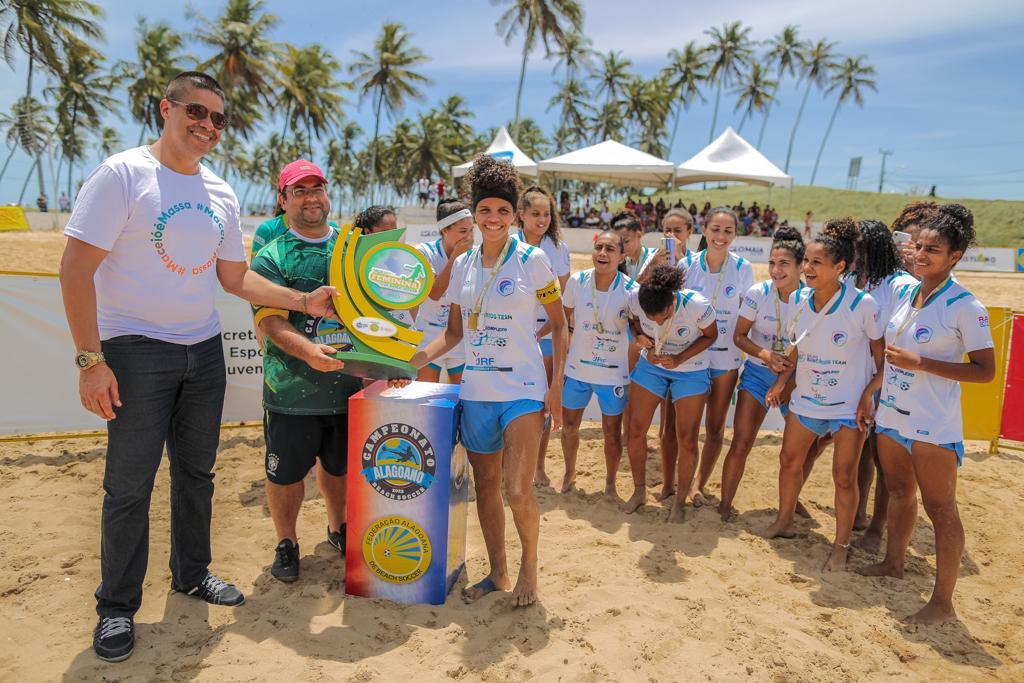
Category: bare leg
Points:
column 899, row 473
column 285, row 501
column 812, row 457
column 641, row 411
column 865, row 475
column 750, row 415
column 714, row 432
column 332, row 489
column 669, row 448
column 936, row 476
column 571, row 420
column 541, row 477
column 521, row 442
column 487, row 472
column 611, row 425
column 796, row 442
column 848, row 445
column 872, row 538
column 688, row 411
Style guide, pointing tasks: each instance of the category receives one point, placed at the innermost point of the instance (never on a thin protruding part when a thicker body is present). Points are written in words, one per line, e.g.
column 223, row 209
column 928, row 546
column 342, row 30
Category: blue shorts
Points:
column 822, row 426
column 547, row 348
column 716, row 373
column 483, row 423
column 756, row 380
column 908, row 444
column 660, row 381
column 451, row 370
column 576, row 395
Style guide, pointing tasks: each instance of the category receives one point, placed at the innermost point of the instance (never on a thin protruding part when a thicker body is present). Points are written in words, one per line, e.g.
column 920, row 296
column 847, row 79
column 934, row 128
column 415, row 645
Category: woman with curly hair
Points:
column 909, row 220
column 495, row 292
column 920, row 428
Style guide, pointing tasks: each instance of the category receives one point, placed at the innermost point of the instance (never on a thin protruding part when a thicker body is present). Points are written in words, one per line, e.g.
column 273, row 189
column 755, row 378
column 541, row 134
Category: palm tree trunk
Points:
column 373, row 152
column 828, row 130
column 24, row 186
column 792, row 135
column 519, row 88
column 7, row 161
column 714, row 117
column 764, row 124
column 142, row 135
column 746, row 115
column 31, row 59
column 675, row 126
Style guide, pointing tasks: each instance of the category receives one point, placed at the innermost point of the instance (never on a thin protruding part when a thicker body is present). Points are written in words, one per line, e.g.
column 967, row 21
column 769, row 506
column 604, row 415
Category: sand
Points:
column 622, row 597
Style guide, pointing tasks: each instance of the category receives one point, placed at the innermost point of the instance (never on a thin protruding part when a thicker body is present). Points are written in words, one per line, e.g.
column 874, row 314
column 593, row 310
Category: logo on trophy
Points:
column 378, row 278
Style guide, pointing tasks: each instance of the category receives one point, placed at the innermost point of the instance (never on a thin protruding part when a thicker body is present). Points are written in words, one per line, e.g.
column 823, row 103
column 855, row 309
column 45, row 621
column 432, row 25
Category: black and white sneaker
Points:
column 215, row 591
column 114, row 638
column 286, row 561
column 337, row 538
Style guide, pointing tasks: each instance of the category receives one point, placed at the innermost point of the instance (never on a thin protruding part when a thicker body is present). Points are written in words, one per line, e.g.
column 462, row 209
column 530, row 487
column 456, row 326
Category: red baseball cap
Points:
column 296, row 171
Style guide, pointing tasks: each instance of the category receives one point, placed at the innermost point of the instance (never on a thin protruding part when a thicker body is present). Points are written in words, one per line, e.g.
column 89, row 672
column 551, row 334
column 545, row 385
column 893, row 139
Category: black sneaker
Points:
column 215, row 591
column 114, row 638
column 337, row 538
column 286, row 561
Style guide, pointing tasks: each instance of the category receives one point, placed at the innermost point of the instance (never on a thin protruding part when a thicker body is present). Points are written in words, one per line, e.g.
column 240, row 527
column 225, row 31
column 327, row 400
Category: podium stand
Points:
column 408, row 489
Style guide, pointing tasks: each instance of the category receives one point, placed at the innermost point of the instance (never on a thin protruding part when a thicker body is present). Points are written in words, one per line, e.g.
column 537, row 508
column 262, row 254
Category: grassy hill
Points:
column 1000, row 223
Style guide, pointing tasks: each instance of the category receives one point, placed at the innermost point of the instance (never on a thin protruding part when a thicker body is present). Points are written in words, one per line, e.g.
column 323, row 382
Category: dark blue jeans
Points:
column 170, row 394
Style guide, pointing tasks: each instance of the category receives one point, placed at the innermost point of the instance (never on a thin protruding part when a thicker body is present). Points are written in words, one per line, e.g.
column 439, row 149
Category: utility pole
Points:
column 881, row 178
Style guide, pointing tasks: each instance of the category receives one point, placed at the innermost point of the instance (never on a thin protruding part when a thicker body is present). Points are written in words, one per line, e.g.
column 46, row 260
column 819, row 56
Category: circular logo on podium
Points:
column 395, row 275
column 396, row 549
column 398, row 461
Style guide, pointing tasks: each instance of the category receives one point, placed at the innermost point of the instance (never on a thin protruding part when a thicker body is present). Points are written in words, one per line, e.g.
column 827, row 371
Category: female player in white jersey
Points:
column 455, row 224
column 638, row 257
column 878, row 270
column 832, row 325
column 760, row 333
column 723, row 278
column 597, row 307
column 538, row 227
column 674, row 327
column 919, row 425
column 494, row 294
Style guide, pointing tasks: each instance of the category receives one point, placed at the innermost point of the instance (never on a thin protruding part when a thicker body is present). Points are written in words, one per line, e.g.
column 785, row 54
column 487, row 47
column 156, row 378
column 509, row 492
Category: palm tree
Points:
column 542, row 20
column 33, row 131
column 109, row 141
column 850, row 78
column 530, row 139
column 453, row 117
column 82, row 96
column 309, row 90
column 612, row 76
column 755, row 93
column 647, row 104
column 572, row 97
column 729, row 53
column 815, row 65
column 9, row 126
column 387, row 74
column 607, row 124
column 159, row 59
column 684, row 74
column 574, row 54
column 783, row 53
column 244, row 60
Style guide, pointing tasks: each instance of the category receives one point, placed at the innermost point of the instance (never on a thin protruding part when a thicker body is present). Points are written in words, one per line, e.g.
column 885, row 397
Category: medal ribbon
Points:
column 914, row 312
column 666, row 328
column 477, row 308
column 593, row 300
column 814, row 323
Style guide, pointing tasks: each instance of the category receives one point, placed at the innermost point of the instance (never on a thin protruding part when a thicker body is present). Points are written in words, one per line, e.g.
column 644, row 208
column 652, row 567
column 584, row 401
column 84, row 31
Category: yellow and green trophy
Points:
column 378, row 279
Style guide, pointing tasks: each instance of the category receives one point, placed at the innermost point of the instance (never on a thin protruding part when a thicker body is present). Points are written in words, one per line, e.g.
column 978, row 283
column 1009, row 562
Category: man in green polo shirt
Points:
column 305, row 396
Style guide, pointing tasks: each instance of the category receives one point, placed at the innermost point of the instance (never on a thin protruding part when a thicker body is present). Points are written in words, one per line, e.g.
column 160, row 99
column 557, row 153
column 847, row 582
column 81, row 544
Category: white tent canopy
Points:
column 611, row 162
column 503, row 147
column 730, row 157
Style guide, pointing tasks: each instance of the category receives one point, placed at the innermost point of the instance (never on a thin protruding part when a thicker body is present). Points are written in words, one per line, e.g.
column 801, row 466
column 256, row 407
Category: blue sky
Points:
column 950, row 99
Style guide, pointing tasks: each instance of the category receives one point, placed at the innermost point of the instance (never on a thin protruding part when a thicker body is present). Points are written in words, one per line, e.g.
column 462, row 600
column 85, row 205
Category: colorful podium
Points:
column 408, row 489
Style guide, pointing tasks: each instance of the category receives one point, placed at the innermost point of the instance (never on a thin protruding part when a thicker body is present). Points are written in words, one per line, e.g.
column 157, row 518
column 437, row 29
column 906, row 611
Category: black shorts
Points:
column 295, row 441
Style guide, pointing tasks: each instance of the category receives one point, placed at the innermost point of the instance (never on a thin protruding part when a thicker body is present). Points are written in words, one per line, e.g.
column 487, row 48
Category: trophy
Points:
column 376, row 278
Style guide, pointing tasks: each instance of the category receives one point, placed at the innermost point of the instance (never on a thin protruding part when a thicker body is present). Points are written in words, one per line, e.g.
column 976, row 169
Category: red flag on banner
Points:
column 1012, row 424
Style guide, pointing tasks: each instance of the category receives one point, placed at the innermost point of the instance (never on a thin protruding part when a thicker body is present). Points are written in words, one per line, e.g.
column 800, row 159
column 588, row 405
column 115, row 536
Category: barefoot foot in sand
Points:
column 525, row 592
column 801, row 511
column 638, row 498
column 678, row 512
column 779, row 530
column 932, row 615
column 882, row 568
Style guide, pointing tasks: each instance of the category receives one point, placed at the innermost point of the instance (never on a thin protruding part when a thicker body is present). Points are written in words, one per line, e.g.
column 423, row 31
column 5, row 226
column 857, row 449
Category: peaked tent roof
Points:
column 611, row 162
column 730, row 157
column 502, row 147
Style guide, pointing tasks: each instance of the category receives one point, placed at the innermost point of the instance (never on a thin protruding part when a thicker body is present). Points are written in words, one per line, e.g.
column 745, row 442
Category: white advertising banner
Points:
column 40, row 388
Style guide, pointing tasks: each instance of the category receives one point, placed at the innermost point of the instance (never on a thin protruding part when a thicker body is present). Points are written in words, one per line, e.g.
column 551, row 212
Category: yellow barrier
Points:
column 982, row 404
column 12, row 218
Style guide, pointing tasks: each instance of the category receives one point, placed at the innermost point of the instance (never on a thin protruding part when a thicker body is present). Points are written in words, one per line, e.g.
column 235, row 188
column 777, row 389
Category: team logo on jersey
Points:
column 396, row 549
column 922, row 335
column 505, row 286
column 982, row 321
column 729, row 291
column 839, row 338
column 681, row 331
column 398, row 461
column 619, row 391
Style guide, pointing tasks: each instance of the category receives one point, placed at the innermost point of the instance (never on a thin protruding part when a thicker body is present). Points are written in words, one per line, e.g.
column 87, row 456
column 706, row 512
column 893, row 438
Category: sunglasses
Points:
column 198, row 112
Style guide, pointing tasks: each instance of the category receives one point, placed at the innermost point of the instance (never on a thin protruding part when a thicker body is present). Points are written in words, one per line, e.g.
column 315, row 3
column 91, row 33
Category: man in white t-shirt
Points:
column 152, row 233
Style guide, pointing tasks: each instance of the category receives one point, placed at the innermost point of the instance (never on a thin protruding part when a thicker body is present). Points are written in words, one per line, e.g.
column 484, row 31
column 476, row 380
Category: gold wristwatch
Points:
column 86, row 359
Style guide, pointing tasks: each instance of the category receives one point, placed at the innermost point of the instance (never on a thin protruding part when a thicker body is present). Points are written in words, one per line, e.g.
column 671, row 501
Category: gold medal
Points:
column 778, row 346
column 474, row 321
column 600, row 328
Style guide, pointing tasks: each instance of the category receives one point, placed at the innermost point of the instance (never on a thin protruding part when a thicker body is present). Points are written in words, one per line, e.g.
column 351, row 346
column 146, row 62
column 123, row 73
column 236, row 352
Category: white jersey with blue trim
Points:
column 834, row 362
column 692, row 314
column 503, row 359
column 737, row 277
column 919, row 405
column 886, row 293
column 635, row 269
column 558, row 256
column 764, row 307
column 598, row 353
column 432, row 317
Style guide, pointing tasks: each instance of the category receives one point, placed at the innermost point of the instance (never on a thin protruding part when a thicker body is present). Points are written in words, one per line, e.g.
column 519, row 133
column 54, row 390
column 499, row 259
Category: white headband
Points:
column 454, row 218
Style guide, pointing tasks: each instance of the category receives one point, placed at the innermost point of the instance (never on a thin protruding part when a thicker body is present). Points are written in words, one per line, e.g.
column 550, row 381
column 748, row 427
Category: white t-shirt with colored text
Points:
column 598, row 357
